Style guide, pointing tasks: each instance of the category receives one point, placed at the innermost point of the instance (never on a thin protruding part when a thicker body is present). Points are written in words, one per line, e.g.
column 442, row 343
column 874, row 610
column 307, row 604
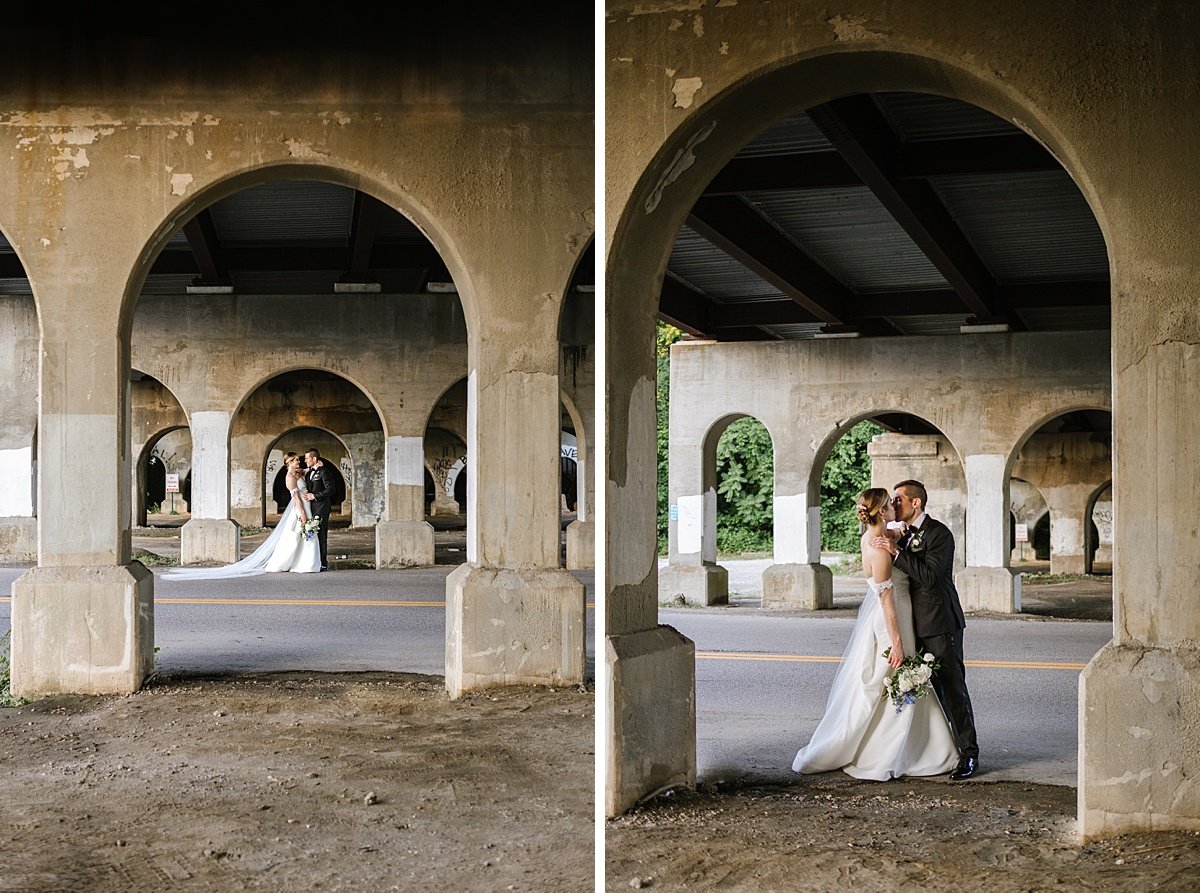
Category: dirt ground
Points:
column 299, row 781
column 832, row 832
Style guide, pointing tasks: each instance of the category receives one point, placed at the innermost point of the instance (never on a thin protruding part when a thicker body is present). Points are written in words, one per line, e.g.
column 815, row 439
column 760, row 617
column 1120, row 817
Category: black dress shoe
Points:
column 966, row 767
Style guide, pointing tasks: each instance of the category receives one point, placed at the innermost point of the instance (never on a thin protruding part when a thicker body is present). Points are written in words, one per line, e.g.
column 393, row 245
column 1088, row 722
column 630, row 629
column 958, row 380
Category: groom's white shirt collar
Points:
column 919, row 520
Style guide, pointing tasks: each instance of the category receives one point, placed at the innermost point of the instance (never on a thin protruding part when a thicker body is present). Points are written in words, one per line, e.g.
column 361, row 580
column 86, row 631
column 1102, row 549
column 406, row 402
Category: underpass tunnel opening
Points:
column 882, row 449
column 162, row 449
column 739, row 467
column 20, row 337
column 446, row 469
column 1068, row 459
column 875, row 217
column 291, row 284
column 298, row 411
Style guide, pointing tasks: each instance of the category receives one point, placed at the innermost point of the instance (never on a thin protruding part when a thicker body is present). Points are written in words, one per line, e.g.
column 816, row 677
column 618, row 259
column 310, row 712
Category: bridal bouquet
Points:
column 309, row 527
column 911, row 680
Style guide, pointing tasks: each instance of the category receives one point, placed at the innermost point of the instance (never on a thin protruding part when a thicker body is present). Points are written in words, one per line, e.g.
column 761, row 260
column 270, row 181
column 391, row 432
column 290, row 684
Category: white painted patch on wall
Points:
column 683, row 159
column 987, row 515
column 685, row 90
column 180, row 183
column 16, row 470
column 243, row 487
column 791, row 529
column 70, row 163
column 303, row 149
column 406, row 461
column 210, row 464
column 472, row 484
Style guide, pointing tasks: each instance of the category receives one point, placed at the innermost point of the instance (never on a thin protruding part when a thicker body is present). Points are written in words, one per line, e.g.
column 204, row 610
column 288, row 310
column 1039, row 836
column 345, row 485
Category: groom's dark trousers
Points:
column 322, row 487
column 928, row 559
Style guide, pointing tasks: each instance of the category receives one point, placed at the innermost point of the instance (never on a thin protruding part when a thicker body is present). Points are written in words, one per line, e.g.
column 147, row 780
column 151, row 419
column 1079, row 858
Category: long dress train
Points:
column 286, row 549
column 861, row 733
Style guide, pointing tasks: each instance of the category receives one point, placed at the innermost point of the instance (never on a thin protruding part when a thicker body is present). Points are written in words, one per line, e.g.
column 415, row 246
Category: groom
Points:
column 321, row 488
column 925, row 551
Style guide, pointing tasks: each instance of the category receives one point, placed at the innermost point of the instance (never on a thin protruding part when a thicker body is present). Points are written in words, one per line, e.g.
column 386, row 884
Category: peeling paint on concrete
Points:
column 1136, row 778
column 698, row 26
column 723, row 49
column 210, row 121
column 685, row 90
column 180, row 183
column 302, row 149
column 625, row 59
column 646, row 9
column 675, row 25
column 852, row 28
column 189, row 137
column 341, row 118
column 1139, row 732
column 721, row 3
column 683, row 159
column 208, row 154
column 68, row 163
column 134, row 157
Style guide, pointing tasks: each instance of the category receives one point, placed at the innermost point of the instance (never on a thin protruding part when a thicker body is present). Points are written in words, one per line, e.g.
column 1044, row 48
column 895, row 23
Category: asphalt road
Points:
column 337, row 621
column 760, row 693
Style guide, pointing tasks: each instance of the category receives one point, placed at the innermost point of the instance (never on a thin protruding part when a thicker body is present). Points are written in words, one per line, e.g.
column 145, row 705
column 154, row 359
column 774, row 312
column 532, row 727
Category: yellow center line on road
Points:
column 826, row 659
column 323, row 602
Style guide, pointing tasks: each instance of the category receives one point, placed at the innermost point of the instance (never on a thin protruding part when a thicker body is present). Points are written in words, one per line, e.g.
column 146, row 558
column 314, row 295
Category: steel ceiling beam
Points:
column 684, row 307
column 736, row 228
column 289, row 258
column 861, row 134
column 958, row 157
column 202, row 239
column 363, row 227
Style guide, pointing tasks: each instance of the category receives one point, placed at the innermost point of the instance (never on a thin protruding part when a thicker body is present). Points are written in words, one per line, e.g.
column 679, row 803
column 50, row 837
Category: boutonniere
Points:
column 917, row 542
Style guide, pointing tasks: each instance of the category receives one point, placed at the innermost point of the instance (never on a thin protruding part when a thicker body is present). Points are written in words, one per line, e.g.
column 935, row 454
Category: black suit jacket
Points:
column 929, row 564
column 322, row 487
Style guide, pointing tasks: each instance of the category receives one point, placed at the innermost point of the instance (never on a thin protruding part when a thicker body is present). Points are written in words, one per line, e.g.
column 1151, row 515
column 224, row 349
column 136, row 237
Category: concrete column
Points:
column 986, row 583
column 797, row 579
column 513, row 616
column 650, row 670
column 367, row 483
column 209, row 535
column 18, row 527
column 83, row 620
column 405, row 539
column 692, row 572
column 1138, row 734
column 1068, row 527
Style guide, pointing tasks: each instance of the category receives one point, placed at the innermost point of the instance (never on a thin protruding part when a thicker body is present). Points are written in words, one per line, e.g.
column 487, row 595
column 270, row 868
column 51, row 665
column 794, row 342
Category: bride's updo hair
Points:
column 288, row 457
column 871, row 504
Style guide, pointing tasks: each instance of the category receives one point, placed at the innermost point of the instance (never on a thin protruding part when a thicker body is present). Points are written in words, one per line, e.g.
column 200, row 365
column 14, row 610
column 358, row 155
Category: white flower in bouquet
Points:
column 309, row 528
column 911, row 680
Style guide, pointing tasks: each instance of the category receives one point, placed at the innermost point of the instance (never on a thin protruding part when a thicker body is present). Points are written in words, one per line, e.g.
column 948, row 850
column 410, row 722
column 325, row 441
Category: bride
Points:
column 286, row 549
column 861, row 732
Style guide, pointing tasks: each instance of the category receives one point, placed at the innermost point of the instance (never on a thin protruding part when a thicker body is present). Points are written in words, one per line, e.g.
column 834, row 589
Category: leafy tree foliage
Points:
column 847, row 473
column 745, row 476
column 745, row 488
column 665, row 336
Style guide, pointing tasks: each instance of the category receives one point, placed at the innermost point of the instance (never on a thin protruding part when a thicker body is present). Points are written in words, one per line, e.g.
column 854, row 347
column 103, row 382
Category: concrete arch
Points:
column 653, row 187
column 1044, row 419
column 642, row 234
column 583, row 461
column 282, row 435
column 243, row 177
column 587, row 246
column 140, row 507
column 825, row 450
column 268, row 377
column 433, row 407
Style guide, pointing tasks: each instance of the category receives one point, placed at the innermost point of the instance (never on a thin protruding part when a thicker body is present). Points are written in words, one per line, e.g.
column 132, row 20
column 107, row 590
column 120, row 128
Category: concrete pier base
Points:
column 215, row 540
column 994, row 589
column 18, row 539
column 581, row 545
column 650, row 715
column 704, row 584
column 806, row 587
column 513, row 627
column 1067, row 564
column 1139, row 741
column 403, row 544
column 82, row 630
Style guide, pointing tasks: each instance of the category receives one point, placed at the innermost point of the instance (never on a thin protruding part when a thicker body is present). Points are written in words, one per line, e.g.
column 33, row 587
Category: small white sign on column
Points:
column 691, row 524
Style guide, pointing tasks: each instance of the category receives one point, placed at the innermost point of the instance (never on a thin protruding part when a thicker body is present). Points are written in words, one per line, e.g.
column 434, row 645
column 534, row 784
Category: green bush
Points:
column 847, row 473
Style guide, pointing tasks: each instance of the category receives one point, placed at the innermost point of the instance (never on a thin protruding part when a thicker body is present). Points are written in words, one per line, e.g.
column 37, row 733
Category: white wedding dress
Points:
column 861, row 733
column 286, row 550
